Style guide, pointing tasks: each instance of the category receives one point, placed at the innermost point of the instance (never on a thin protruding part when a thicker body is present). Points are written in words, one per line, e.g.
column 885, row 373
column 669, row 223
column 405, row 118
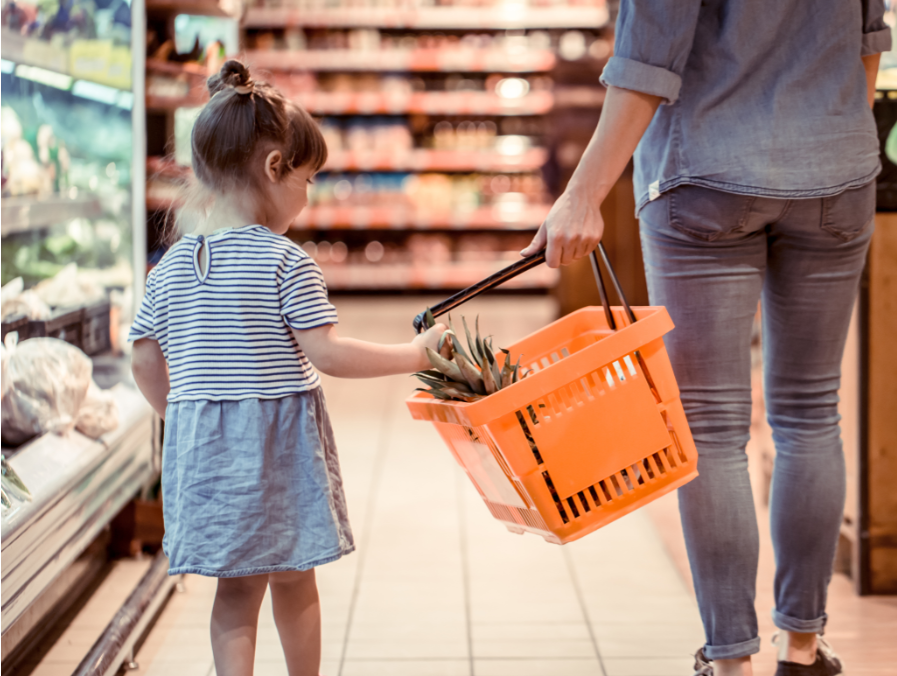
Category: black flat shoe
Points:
column 827, row 663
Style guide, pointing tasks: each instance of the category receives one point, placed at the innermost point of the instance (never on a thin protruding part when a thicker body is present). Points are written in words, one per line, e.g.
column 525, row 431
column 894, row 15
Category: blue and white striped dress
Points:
column 250, row 475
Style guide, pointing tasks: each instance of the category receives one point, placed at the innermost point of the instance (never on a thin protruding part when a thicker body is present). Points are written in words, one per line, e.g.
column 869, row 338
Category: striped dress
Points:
column 250, row 475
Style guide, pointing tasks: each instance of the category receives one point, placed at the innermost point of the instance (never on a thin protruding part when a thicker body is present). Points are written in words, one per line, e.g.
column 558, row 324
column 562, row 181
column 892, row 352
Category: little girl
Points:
column 234, row 317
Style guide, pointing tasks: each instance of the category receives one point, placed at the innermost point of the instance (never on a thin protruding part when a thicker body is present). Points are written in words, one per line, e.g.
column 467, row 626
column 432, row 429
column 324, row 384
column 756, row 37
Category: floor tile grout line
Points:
column 377, row 475
column 465, row 565
column 571, row 569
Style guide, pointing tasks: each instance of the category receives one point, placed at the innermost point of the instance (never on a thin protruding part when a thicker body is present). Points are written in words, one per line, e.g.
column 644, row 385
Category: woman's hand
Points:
column 571, row 230
column 430, row 338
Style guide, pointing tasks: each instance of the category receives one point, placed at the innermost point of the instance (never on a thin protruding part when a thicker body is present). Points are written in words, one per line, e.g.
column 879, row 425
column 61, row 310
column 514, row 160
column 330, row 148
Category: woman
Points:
column 754, row 177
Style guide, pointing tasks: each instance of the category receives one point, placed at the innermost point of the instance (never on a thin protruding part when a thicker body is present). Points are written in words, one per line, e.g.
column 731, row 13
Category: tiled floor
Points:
column 439, row 588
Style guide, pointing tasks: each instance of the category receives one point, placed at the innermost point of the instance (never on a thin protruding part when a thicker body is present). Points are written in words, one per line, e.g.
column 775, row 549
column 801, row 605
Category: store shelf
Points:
column 497, row 217
column 420, row 159
column 416, row 60
column 167, row 103
column 222, row 8
column 439, row 18
column 427, row 103
column 92, row 60
column 189, row 70
column 20, row 214
column 424, row 276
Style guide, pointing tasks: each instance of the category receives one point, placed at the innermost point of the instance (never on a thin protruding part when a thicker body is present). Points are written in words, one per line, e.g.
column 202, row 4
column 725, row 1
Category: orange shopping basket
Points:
column 595, row 432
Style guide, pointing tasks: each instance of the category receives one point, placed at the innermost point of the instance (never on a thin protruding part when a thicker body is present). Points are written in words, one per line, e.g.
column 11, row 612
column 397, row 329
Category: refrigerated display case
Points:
column 73, row 181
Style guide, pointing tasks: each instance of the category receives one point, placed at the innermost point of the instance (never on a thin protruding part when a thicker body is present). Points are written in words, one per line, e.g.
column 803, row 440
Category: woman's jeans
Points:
column 710, row 256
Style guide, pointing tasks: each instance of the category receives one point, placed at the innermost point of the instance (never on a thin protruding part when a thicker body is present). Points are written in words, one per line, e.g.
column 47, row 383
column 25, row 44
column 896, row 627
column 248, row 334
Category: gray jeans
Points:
column 710, row 256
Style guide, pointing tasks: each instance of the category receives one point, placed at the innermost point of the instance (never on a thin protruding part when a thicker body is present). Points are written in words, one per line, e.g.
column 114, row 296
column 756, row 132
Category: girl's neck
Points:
column 230, row 212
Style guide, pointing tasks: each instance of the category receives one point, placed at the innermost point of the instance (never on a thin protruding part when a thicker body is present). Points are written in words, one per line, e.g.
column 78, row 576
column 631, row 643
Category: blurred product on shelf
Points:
column 425, row 192
column 78, row 38
column 48, row 388
column 465, row 14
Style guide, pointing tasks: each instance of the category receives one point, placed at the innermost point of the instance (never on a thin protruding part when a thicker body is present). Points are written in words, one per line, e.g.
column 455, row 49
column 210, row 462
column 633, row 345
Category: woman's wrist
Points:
column 591, row 192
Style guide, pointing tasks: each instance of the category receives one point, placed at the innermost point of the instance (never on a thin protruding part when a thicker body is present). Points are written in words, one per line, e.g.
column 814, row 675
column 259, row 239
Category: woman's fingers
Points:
column 571, row 231
column 537, row 244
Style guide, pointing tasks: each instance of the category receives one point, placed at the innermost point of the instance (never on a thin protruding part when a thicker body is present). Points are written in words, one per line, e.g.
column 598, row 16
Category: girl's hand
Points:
column 430, row 338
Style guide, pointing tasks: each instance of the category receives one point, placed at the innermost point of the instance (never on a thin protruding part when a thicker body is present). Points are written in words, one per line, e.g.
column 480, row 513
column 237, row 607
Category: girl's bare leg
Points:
column 297, row 614
column 235, row 618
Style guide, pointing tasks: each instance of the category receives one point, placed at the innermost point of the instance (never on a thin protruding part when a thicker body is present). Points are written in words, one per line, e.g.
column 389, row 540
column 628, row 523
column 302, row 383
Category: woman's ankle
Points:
column 796, row 647
column 740, row 666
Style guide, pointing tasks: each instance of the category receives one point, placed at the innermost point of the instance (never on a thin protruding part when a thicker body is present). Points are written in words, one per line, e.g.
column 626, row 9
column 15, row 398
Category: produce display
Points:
column 48, row 388
column 471, row 374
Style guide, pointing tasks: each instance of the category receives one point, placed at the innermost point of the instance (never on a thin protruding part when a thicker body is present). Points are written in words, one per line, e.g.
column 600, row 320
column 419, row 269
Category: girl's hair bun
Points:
column 232, row 74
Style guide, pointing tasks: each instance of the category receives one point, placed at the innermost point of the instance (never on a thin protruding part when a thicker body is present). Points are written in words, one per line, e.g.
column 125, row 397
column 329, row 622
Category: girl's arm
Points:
column 151, row 373
column 574, row 225
column 350, row 358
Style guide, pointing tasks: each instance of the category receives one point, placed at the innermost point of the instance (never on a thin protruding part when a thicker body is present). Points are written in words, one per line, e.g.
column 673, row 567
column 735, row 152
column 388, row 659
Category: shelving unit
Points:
column 170, row 86
column 405, row 60
column 20, row 214
column 506, row 17
column 359, row 66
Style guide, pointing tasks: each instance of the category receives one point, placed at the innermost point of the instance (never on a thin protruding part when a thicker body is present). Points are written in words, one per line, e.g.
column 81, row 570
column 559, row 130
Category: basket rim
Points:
column 654, row 322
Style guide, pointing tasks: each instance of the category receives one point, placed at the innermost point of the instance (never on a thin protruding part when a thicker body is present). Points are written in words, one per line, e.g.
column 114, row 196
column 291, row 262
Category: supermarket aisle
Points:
column 437, row 587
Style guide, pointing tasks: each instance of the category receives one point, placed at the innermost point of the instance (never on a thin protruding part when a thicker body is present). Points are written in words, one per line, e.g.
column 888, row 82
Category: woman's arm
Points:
column 350, row 358
column 574, row 225
column 151, row 373
column 870, row 63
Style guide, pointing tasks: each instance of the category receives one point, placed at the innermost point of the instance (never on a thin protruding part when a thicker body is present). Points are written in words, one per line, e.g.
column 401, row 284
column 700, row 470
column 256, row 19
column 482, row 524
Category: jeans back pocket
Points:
column 708, row 214
column 849, row 213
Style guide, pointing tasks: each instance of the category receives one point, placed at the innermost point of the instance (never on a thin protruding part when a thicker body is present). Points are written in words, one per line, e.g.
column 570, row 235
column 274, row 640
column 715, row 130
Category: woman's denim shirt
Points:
column 763, row 97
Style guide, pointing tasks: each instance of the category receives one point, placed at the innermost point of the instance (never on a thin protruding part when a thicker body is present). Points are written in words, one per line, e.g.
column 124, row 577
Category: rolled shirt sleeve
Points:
column 876, row 33
column 653, row 41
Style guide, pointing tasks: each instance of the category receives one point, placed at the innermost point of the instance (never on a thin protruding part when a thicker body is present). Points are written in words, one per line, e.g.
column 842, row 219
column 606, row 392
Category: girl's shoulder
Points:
column 262, row 240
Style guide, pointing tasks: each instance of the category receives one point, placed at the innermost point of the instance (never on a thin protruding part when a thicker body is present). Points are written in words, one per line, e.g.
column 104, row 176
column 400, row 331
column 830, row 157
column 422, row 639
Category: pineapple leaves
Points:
column 445, row 366
column 473, row 371
column 471, row 374
column 429, row 319
column 472, row 344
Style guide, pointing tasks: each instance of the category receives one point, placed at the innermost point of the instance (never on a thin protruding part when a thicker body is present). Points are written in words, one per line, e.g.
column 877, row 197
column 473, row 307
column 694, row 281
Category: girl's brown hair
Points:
column 243, row 121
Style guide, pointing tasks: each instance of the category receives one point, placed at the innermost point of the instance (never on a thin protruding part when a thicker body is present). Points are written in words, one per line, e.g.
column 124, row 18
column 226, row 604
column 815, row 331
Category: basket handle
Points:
column 521, row 266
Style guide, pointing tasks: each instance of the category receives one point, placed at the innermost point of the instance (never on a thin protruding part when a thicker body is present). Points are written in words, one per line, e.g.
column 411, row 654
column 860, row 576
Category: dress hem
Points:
column 260, row 570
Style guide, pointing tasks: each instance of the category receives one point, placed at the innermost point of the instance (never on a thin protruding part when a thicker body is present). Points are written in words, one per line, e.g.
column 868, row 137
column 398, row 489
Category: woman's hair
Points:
column 243, row 122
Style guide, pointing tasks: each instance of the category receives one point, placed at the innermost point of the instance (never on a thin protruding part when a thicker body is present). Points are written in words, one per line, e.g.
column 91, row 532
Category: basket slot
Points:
column 585, row 504
column 619, row 369
column 661, row 467
column 650, row 468
column 529, row 435
column 671, row 458
column 675, row 437
column 573, row 508
column 638, row 474
column 556, row 497
column 629, row 365
column 565, row 352
column 598, row 502
column 608, row 376
column 627, row 481
column 616, row 485
column 545, row 362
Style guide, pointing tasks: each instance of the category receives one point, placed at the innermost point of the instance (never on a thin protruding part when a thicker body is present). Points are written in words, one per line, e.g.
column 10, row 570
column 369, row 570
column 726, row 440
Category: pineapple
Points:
column 468, row 375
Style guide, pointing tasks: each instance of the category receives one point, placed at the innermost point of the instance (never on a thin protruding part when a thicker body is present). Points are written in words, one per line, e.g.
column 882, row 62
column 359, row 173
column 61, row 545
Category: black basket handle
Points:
column 522, row 266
